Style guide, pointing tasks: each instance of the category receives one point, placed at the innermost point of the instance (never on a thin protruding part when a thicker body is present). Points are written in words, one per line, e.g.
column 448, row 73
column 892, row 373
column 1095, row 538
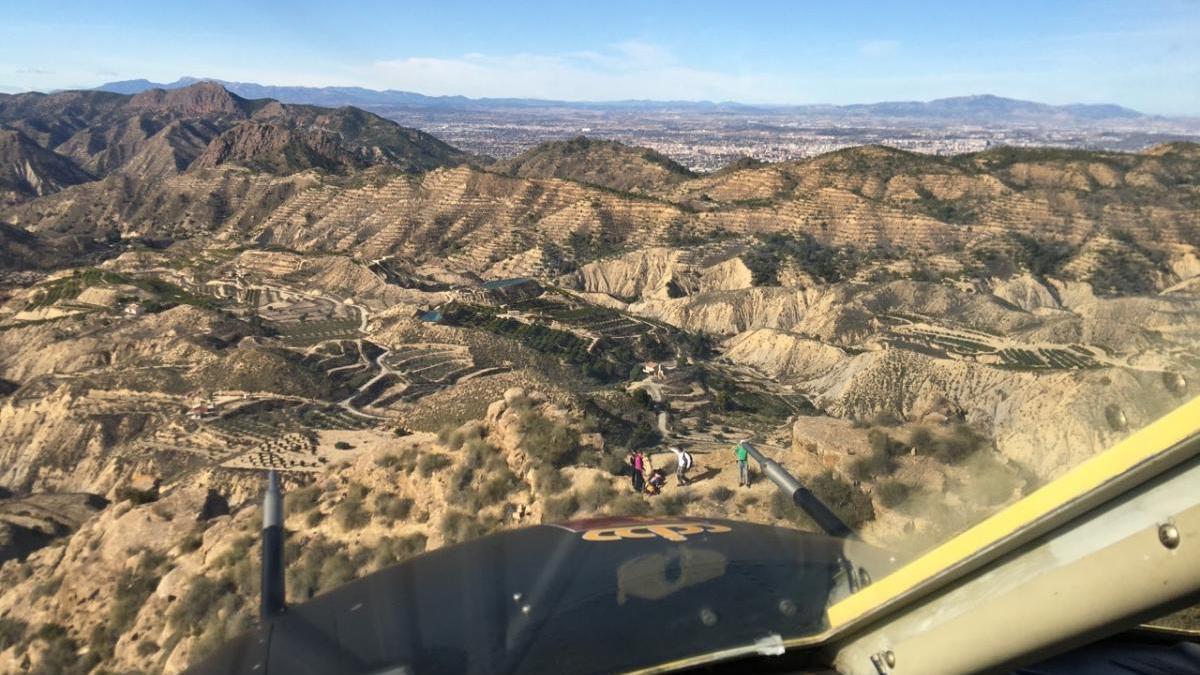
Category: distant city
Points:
column 707, row 141
column 706, row 136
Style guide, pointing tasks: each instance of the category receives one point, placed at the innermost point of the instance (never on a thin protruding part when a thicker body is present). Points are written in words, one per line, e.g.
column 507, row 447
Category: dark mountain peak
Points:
column 597, row 161
column 202, row 99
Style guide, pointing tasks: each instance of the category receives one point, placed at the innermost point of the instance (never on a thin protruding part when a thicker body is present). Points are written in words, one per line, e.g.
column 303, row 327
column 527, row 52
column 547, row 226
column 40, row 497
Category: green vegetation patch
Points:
column 827, row 263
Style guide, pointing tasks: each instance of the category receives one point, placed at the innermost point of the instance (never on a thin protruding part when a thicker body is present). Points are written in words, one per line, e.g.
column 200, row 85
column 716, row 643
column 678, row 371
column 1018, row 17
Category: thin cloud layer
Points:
column 628, row 70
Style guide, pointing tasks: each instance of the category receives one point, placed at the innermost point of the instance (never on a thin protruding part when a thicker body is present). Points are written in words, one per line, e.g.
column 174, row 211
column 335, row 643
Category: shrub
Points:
column 147, row 647
column 644, row 436
column 461, row 478
column 848, row 502
column 238, row 550
column 192, row 541
column 552, row 443
column 132, row 589
column 628, row 504
column 11, row 631
column 721, row 494
column 614, row 463
column 391, row 507
column 921, row 439
column 356, row 491
column 498, row 487
column 192, row 611
column 431, row 463
column 892, row 493
column 303, row 499
column 886, row 419
column 950, row 447
column 881, row 461
column 392, row 550
column 783, row 508
column 596, row 496
column 336, row 570
column 101, row 642
column 456, row 437
column 135, row 496
column 48, row 587
column 458, row 526
column 350, row 514
column 314, row 518
column 674, row 504
column 304, row 566
column 556, row 509
column 61, row 654
column 343, row 445
column 550, row 481
column 402, row 461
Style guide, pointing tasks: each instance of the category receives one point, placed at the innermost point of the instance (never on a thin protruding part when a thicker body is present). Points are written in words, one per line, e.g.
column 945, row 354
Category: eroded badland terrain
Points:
column 430, row 345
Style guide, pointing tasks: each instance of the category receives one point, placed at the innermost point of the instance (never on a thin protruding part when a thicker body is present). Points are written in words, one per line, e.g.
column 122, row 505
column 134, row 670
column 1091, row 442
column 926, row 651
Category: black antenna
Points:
column 272, row 549
column 825, row 519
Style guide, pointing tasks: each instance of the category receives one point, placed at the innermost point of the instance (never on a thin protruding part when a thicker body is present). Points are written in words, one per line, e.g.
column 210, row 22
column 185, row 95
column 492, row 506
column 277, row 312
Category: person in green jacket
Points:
column 743, row 460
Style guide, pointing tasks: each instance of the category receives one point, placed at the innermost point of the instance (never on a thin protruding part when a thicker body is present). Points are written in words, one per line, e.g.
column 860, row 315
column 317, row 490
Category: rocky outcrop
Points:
column 730, row 275
column 654, row 272
column 783, row 356
column 1025, row 292
column 1047, row 422
column 28, row 170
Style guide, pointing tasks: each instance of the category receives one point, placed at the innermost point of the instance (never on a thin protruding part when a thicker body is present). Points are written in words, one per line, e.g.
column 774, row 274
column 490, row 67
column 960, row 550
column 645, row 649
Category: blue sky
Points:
column 1145, row 54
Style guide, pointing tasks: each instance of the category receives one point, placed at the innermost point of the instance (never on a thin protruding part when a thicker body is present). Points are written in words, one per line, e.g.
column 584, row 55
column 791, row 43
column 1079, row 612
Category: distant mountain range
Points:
column 980, row 108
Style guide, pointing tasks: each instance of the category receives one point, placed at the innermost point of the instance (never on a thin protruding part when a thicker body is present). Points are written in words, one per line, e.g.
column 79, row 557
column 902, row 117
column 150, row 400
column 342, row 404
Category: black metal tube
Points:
column 825, row 519
column 272, row 549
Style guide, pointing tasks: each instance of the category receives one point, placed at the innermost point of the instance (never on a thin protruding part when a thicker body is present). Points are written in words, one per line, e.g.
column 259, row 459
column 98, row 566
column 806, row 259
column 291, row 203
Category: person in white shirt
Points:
column 683, row 464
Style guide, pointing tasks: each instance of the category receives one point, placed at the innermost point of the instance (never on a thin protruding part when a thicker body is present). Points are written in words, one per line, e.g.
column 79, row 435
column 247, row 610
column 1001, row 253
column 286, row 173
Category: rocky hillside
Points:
column 29, row 170
column 156, row 133
column 605, row 163
column 429, row 352
column 1122, row 222
column 154, row 583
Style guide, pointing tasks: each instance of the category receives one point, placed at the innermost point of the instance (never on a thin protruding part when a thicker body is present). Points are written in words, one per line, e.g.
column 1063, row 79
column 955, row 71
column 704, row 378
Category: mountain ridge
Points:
column 978, row 104
column 61, row 139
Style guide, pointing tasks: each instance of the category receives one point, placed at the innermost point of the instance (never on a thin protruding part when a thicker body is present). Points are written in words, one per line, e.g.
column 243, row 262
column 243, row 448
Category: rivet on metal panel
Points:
column 1168, row 535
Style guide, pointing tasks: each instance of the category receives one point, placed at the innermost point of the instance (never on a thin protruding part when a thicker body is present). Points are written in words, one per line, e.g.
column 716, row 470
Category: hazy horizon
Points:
column 1141, row 56
column 191, row 79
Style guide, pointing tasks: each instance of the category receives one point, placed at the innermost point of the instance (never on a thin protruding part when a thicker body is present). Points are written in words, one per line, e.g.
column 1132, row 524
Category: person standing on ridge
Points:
column 683, row 464
column 637, row 465
column 743, row 460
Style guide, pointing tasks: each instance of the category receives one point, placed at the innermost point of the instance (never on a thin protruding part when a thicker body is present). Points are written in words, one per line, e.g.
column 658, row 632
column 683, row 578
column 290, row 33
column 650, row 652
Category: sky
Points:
column 1143, row 54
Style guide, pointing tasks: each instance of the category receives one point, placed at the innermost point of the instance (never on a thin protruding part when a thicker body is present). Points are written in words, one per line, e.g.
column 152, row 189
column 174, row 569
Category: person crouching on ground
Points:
column 657, row 480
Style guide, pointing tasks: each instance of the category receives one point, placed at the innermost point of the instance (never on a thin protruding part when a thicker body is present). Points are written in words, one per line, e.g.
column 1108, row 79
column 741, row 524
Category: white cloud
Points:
column 878, row 47
column 629, row 69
